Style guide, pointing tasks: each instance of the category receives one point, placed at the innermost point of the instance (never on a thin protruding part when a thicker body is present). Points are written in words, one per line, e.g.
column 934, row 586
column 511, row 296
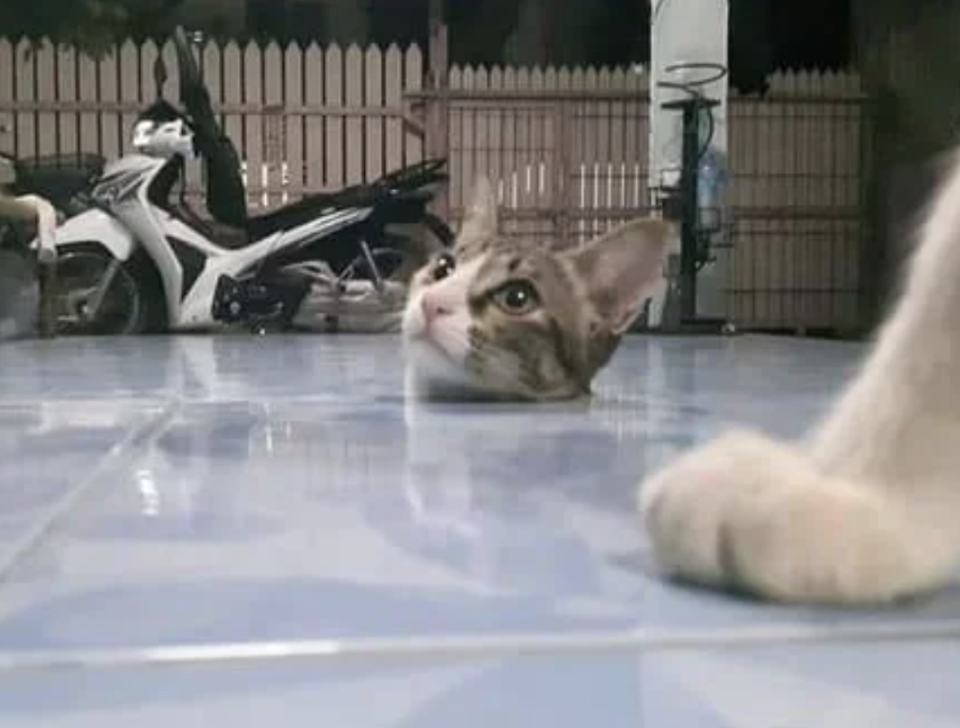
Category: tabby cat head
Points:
column 509, row 320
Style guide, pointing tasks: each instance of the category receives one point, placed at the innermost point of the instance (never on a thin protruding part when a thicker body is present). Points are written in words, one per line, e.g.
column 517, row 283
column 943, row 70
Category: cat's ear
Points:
column 480, row 220
column 620, row 269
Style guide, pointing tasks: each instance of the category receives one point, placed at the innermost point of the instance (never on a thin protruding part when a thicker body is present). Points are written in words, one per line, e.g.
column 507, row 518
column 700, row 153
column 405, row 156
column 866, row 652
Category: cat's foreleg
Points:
column 868, row 510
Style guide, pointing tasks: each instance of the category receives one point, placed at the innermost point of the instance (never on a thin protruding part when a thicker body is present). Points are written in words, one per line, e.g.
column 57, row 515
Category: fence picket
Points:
column 231, row 59
column 373, row 128
column 412, row 81
column 274, row 128
column 89, row 95
column 129, row 90
column 314, row 69
column 26, row 121
column 68, row 123
column 393, row 98
column 353, row 148
column 333, row 93
column 7, row 96
column 212, row 66
column 253, row 123
column 481, row 125
column 45, row 68
column 293, row 148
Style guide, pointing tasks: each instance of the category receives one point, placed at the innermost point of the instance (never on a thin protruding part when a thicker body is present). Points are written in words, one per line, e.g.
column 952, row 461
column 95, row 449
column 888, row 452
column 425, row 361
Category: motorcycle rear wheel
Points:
column 127, row 306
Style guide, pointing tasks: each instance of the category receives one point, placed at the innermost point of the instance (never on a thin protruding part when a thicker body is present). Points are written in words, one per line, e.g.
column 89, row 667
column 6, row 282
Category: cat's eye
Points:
column 517, row 297
column 443, row 266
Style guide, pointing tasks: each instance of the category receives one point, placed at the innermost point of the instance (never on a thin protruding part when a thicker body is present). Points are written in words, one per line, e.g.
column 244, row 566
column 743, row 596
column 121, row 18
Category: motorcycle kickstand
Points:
column 374, row 271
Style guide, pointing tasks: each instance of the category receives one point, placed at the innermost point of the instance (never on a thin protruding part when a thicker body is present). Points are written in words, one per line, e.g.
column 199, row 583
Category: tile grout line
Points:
column 153, row 399
column 12, row 557
column 472, row 647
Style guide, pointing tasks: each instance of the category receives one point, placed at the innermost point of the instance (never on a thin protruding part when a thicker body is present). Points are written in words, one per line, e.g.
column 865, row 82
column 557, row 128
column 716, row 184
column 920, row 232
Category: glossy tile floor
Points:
column 260, row 531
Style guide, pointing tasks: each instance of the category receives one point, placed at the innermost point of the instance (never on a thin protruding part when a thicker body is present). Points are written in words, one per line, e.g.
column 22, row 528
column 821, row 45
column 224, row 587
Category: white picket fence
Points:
column 567, row 147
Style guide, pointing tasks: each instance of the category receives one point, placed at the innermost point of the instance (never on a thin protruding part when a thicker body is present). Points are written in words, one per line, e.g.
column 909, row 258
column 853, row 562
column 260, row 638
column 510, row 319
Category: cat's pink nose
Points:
column 433, row 308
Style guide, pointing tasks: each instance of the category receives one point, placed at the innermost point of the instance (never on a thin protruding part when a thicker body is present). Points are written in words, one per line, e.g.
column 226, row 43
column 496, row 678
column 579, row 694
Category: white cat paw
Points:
column 752, row 514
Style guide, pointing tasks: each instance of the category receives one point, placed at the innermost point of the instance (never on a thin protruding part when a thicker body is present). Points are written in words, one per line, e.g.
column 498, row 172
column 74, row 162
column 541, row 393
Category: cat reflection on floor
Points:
column 867, row 509
column 499, row 318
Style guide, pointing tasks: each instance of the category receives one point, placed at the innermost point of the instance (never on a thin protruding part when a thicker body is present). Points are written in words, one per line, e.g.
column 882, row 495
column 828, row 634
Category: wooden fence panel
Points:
column 566, row 148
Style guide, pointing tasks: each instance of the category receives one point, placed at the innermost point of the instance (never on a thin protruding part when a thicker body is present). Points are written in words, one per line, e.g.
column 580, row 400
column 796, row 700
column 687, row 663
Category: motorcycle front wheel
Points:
column 94, row 294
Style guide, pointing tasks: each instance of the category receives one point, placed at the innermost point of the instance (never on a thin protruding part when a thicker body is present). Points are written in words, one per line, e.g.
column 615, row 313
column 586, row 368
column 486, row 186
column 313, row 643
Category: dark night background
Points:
column 765, row 34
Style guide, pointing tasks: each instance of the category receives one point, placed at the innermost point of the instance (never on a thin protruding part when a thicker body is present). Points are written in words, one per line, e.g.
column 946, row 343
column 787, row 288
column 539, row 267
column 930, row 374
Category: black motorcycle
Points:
column 381, row 249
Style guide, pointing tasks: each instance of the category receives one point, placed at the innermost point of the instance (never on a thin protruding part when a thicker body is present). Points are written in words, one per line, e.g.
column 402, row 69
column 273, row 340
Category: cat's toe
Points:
column 683, row 508
column 681, row 528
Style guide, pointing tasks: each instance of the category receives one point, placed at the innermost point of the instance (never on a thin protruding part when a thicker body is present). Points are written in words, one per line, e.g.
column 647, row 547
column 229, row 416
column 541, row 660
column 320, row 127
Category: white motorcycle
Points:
column 135, row 261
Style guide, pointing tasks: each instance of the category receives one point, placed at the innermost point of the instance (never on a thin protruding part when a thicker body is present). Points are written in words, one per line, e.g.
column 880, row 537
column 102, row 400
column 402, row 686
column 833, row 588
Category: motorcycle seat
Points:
column 306, row 209
column 299, row 212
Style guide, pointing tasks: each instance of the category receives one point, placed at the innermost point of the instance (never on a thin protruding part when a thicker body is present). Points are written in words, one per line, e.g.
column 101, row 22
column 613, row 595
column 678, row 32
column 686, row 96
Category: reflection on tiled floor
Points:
column 234, row 497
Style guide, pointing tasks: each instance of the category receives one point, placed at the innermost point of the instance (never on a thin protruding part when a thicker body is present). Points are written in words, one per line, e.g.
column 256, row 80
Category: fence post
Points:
column 438, row 109
column 562, row 200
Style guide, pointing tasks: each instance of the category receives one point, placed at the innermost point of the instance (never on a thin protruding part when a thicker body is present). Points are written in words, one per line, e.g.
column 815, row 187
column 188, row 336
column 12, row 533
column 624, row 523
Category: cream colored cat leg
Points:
column 13, row 208
column 869, row 512
column 750, row 513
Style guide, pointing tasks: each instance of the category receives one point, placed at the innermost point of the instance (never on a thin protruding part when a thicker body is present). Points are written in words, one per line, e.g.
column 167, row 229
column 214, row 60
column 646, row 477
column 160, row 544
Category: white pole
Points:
column 685, row 36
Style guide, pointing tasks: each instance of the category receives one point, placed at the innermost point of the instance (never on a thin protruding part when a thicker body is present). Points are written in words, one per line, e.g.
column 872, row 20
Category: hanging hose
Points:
column 693, row 88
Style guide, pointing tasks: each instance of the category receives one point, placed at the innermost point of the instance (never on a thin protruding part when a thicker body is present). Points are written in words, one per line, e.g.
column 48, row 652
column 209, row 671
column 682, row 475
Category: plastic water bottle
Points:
column 710, row 180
